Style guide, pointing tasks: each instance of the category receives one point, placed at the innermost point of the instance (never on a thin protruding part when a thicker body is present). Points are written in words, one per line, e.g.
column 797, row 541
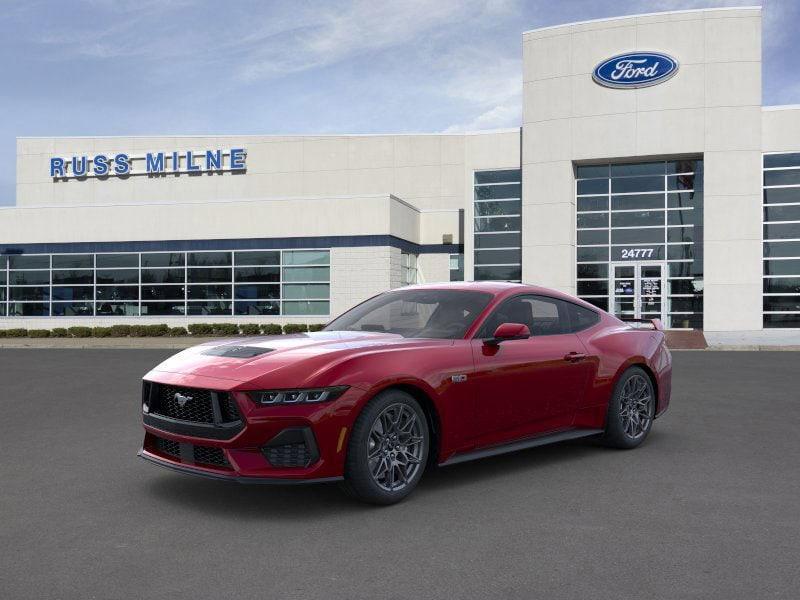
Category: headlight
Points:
column 305, row 396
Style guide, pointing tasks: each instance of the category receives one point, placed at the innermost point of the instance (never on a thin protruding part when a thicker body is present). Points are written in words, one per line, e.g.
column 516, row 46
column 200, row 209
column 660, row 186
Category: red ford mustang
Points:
column 423, row 375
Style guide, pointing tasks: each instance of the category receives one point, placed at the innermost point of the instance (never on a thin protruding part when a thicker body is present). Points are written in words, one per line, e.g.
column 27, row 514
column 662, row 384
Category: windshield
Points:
column 439, row 314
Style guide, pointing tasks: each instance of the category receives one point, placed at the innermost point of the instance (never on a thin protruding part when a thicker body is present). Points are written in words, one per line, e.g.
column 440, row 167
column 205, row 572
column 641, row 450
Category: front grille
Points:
column 168, row 447
column 287, row 455
column 201, row 455
column 189, row 404
column 209, row 455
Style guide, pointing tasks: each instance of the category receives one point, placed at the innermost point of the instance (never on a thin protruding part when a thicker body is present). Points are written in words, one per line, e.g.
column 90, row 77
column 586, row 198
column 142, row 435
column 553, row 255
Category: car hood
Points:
column 297, row 359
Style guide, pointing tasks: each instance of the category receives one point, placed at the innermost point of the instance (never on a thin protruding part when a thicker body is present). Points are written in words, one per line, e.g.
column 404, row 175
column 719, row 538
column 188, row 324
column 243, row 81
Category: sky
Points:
column 161, row 67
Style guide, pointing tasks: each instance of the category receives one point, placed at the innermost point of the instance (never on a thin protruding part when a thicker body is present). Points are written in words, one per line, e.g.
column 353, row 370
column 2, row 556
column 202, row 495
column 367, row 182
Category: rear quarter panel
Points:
column 614, row 347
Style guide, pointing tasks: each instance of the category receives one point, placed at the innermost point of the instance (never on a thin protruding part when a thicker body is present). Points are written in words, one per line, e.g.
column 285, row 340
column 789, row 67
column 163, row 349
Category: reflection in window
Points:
column 497, row 224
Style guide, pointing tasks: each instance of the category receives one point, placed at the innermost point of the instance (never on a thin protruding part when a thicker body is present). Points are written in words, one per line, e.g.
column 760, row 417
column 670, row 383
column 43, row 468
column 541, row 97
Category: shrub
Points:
column 225, row 329
column 271, row 329
column 156, row 330
column 2, row 333
column 295, row 328
column 177, row 331
column 316, row 327
column 38, row 333
column 59, row 332
column 120, row 330
column 250, row 328
column 101, row 332
column 201, row 329
column 138, row 331
column 80, row 332
column 16, row 332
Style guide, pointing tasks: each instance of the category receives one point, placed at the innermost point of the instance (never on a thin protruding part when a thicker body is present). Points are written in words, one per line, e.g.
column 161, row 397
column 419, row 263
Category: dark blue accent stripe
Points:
column 339, row 241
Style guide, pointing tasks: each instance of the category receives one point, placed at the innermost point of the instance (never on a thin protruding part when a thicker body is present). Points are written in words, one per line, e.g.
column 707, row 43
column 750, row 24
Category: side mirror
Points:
column 509, row 331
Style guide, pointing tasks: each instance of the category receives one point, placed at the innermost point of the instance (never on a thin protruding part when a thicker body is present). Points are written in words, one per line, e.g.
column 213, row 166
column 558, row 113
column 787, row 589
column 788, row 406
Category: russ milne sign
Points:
column 151, row 163
column 635, row 70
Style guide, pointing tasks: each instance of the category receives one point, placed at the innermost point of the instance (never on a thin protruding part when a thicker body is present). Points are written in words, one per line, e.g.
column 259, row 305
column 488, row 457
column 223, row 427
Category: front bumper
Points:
column 212, row 474
column 270, row 444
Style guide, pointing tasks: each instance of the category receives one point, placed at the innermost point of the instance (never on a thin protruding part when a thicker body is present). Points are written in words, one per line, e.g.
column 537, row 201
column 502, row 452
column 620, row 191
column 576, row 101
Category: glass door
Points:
column 637, row 290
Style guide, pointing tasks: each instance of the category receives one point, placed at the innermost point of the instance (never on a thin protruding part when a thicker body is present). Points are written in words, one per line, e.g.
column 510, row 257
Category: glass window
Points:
column 29, row 261
column 637, row 236
column 29, row 278
column 637, row 219
column 623, row 185
column 306, row 308
column 497, row 257
column 782, row 320
column 782, row 267
column 73, row 309
column 591, row 171
column 208, row 308
column 162, row 292
column 3, row 276
column 306, row 291
column 28, row 309
column 592, row 271
column 500, row 176
column 272, row 257
column 85, row 277
column 580, row 317
column 685, row 286
column 588, row 187
column 163, row 309
column 782, row 213
column 116, row 261
column 592, row 203
column 257, row 308
column 589, row 220
column 788, row 177
column 117, row 292
column 651, row 168
column 85, row 292
column 456, row 267
column 593, row 236
column 684, row 166
column 593, row 288
column 782, row 303
column 683, row 182
column 542, row 315
column 29, row 293
column 163, row 259
column 601, row 303
column 117, row 276
column 257, row 273
column 306, row 273
column 487, row 209
column 637, row 202
column 73, row 261
column 163, row 276
column 782, row 195
column 442, row 314
column 782, row 285
column 680, row 234
column 497, row 224
column 498, row 240
column 209, row 259
column 791, row 159
column 257, row 292
column 498, row 273
column 684, row 217
column 117, row 309
column 778, row 231
column 209, row 292
column 209, row 275
column 782, row 249
column 592, row 254
column 306, row 257
column 490, row 192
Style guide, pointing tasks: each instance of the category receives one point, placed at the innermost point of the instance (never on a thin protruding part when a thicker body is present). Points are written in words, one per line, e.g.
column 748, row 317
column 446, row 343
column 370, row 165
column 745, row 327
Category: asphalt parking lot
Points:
column 707, row 508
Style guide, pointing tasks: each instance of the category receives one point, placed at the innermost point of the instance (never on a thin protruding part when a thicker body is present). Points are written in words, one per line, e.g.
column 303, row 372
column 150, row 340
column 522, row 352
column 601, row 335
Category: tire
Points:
column 388, row 449
column 631, row 410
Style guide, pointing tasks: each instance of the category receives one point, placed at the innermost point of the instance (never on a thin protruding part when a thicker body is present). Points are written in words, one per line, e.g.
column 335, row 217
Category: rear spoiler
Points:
column 655, row 323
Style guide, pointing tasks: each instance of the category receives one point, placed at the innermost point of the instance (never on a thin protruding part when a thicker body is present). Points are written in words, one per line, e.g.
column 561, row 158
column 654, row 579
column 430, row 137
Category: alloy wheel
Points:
column 395, row 447
column 636, row 406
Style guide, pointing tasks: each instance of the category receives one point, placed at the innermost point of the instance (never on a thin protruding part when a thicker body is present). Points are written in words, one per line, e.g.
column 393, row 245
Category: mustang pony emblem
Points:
column 181, row 399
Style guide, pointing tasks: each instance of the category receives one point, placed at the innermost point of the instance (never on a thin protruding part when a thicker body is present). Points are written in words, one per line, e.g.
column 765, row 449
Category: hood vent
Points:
column 237, row 351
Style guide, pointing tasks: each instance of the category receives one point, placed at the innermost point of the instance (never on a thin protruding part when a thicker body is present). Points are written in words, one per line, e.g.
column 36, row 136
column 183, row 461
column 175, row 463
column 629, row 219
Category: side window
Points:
column 581, row 318
column 542, row 315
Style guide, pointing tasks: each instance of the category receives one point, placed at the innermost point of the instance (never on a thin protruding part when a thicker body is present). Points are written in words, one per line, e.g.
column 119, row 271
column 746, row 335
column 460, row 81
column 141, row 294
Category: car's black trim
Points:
column 209, row 431
column 294, row 435
column 541, row 440
column 238, row 479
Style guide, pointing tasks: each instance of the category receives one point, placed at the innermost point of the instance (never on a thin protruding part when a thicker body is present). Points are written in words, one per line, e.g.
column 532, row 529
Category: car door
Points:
column 527, row 386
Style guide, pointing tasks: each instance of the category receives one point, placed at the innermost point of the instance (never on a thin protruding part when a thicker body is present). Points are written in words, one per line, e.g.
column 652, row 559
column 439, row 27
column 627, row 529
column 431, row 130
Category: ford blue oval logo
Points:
column 635, row 70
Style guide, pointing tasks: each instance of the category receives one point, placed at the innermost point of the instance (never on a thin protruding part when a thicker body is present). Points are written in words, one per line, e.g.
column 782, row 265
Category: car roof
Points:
column 496, row 288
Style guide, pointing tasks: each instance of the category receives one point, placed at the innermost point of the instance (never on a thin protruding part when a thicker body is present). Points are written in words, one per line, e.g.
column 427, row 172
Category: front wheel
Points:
column 631, row 410
column 388, row 449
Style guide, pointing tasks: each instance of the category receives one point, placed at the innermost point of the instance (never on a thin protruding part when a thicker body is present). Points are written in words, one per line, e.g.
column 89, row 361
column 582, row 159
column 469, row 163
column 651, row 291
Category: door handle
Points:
column 574, row 356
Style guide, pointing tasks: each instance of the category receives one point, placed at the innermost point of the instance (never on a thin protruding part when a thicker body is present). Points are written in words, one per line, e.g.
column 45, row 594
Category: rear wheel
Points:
column 631, row 410
column 388, row 449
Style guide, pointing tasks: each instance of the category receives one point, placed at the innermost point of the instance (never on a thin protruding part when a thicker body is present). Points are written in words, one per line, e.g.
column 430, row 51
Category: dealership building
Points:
column 646, row 177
